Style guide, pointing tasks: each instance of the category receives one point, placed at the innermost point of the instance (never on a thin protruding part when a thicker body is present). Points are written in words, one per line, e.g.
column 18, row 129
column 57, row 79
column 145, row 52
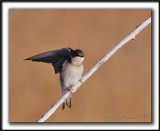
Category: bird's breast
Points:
column 71, row 74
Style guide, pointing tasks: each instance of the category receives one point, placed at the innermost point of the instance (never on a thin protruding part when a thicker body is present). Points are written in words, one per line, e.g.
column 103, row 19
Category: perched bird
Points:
column 67, row 62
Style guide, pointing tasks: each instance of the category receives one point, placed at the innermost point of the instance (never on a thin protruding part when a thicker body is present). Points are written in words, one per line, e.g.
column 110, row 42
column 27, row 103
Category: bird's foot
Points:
column 80, row 81
column 71, row 90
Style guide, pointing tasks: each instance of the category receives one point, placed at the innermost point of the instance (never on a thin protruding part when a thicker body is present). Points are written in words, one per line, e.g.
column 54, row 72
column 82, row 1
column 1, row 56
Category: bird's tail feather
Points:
column 67, row 102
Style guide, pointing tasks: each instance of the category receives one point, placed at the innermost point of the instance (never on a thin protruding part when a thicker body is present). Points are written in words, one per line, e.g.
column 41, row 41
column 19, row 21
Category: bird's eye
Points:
column 73, row 54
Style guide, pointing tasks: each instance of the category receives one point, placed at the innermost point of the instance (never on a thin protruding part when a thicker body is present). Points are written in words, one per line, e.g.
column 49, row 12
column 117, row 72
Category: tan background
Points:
column 119, row 91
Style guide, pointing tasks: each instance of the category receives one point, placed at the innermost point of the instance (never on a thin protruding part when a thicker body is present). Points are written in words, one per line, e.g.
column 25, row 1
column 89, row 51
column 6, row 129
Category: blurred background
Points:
column 119, row 91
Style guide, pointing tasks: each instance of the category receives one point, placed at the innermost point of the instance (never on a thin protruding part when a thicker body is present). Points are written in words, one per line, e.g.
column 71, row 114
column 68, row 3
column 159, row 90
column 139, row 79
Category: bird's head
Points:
column 77, row 57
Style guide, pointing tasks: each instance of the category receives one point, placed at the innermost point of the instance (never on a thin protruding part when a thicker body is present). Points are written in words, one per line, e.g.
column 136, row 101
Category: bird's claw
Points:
column 71, row 90
column 80, row 81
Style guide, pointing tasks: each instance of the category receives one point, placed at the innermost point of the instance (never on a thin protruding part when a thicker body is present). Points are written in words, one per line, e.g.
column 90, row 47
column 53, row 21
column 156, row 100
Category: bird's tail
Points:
column 67, row 102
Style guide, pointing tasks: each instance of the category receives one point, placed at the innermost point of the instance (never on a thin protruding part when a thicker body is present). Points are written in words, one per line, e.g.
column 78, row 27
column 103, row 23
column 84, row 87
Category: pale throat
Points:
column 77, row 60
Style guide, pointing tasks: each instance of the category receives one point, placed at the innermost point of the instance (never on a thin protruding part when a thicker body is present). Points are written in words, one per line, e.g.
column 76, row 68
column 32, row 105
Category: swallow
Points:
column 68, row 63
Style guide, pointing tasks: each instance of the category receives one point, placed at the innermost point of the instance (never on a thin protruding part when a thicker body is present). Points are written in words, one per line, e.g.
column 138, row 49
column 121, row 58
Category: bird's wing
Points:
column 56, row 57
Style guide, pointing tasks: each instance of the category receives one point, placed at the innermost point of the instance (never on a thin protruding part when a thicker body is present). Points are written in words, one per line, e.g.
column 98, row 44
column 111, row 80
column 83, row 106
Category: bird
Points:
column 66, row 62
